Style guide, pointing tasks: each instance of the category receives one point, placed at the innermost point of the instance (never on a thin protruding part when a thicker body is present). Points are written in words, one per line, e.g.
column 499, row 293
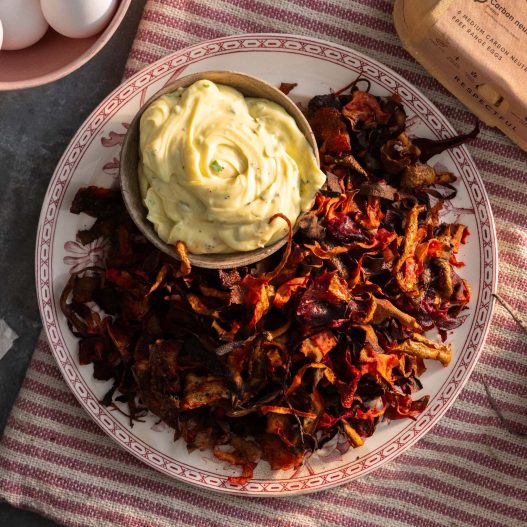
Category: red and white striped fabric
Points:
column 470, row 470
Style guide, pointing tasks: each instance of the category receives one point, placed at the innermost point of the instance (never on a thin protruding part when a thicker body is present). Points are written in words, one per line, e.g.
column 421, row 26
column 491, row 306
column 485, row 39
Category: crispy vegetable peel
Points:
column 271, row 361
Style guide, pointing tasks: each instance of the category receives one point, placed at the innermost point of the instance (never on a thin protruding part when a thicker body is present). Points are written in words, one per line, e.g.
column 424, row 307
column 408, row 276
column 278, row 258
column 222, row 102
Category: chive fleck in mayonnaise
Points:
column 216, row 166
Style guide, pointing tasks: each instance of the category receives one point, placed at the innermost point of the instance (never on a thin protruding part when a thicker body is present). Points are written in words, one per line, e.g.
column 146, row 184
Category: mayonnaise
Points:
column 215, row 167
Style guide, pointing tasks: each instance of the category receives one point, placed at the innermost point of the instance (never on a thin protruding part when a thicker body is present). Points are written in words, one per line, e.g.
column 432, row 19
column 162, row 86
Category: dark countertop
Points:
column 35, row 128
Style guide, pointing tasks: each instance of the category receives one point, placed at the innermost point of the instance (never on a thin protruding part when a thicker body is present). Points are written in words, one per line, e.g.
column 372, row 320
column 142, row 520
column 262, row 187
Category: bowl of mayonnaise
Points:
column 210, row 160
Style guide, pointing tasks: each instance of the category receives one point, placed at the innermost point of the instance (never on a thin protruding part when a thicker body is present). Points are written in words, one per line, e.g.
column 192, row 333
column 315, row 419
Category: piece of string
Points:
column 513, row 428
column 512, row 312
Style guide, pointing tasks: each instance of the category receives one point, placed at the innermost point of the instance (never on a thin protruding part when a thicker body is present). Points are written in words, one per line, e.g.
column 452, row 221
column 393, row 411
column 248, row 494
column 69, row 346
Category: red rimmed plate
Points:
column 92, row 159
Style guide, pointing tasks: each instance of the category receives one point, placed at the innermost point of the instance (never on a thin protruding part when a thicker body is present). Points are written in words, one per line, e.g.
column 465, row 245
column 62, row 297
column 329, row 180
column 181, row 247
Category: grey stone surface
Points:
column 35, row 127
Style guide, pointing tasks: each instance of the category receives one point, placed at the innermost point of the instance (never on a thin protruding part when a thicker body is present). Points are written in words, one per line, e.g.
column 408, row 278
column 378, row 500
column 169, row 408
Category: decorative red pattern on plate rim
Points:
column 357, row 63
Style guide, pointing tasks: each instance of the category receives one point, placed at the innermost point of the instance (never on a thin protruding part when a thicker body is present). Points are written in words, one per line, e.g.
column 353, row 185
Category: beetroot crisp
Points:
column 326, row 337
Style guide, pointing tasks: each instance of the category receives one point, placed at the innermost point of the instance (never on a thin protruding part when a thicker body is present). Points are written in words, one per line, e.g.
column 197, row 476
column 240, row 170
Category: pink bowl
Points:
column 54, row 56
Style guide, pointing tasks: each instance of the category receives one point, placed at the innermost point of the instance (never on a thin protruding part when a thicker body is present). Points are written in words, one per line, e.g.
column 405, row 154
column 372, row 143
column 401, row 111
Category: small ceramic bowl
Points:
column 54, row 56
column 248, row 86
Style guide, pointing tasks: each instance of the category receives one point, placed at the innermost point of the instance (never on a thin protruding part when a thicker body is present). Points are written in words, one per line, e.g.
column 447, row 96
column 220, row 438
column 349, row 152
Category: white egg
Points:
column 78, row 18
column 23, row 23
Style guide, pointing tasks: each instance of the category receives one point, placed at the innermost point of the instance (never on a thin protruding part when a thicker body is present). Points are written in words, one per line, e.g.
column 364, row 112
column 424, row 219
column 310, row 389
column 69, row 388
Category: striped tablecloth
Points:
column 470, row 470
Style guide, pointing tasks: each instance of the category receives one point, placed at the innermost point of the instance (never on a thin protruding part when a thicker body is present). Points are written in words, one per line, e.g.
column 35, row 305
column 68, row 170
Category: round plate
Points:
column 92, row 159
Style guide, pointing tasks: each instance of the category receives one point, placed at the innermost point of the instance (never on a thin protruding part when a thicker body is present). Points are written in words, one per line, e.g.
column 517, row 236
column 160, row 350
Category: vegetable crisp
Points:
column 271, row 361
